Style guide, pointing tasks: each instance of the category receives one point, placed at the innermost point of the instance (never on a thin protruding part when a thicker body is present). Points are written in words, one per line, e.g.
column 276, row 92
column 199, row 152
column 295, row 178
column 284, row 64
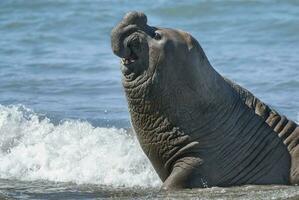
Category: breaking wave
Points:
column 33, row 148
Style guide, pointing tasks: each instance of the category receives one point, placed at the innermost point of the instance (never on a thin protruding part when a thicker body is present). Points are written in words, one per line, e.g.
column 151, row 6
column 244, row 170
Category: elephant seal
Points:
column 198, row 128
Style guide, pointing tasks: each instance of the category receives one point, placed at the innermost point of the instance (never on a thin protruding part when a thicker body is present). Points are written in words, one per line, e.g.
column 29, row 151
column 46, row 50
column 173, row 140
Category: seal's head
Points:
column 148, row 51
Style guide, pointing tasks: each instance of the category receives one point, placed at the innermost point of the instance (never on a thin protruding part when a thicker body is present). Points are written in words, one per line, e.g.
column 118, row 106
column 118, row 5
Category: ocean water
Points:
column 64, row 124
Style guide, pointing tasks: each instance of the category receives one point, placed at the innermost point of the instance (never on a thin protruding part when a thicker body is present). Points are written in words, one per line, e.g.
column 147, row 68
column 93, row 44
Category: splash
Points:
column 33, row 148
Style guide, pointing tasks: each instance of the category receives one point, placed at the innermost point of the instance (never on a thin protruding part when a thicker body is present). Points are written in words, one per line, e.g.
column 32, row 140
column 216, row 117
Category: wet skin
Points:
column 198, row 128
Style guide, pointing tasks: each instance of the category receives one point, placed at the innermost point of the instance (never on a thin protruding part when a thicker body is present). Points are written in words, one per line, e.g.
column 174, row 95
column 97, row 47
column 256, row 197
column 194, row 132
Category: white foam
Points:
column 32, row 148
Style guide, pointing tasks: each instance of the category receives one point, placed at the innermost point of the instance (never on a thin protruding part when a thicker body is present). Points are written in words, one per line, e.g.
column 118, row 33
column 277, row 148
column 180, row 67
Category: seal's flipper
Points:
column 185, row 174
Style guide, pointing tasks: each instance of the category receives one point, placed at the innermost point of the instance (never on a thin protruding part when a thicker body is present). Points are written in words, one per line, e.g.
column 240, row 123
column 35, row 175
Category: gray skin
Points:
column 198, row 128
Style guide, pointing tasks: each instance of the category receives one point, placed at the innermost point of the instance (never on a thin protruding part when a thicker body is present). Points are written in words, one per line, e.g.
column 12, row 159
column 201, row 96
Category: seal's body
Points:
column 198, row 128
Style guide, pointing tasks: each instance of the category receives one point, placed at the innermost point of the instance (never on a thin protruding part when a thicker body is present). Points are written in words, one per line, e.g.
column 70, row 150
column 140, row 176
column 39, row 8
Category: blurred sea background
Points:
column 64, row 124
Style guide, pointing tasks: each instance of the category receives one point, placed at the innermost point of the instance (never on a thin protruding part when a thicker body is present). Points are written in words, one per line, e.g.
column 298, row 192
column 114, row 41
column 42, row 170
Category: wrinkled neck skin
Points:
column 163, row 101
column 161, row 92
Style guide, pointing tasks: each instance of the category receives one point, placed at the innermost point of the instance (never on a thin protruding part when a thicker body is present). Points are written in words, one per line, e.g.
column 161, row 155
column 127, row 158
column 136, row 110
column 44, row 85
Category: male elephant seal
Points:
column 198, row 128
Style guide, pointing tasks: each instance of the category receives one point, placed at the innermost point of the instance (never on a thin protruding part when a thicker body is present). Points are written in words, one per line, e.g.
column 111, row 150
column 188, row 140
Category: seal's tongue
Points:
column 132, row 22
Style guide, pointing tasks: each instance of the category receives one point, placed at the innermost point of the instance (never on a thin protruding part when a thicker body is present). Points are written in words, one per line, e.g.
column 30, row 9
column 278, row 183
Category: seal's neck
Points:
column 201, row 91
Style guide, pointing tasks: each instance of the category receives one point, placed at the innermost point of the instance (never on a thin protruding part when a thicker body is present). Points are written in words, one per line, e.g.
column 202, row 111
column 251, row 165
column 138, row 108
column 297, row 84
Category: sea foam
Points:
column 33, row 148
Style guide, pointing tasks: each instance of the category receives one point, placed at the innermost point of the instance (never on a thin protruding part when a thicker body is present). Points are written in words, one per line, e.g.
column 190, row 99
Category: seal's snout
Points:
column 137, row 18
column 131, row 22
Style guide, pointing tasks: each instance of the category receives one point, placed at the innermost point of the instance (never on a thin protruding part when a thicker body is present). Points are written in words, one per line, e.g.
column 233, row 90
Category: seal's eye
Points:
column 157, row 36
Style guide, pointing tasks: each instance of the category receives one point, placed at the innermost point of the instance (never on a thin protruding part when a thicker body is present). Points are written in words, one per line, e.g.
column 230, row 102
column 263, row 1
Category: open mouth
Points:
column 129, row 60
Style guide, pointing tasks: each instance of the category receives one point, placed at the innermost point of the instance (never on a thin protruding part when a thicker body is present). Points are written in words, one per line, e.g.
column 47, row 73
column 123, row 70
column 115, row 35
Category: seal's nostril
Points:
column 135, row 17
